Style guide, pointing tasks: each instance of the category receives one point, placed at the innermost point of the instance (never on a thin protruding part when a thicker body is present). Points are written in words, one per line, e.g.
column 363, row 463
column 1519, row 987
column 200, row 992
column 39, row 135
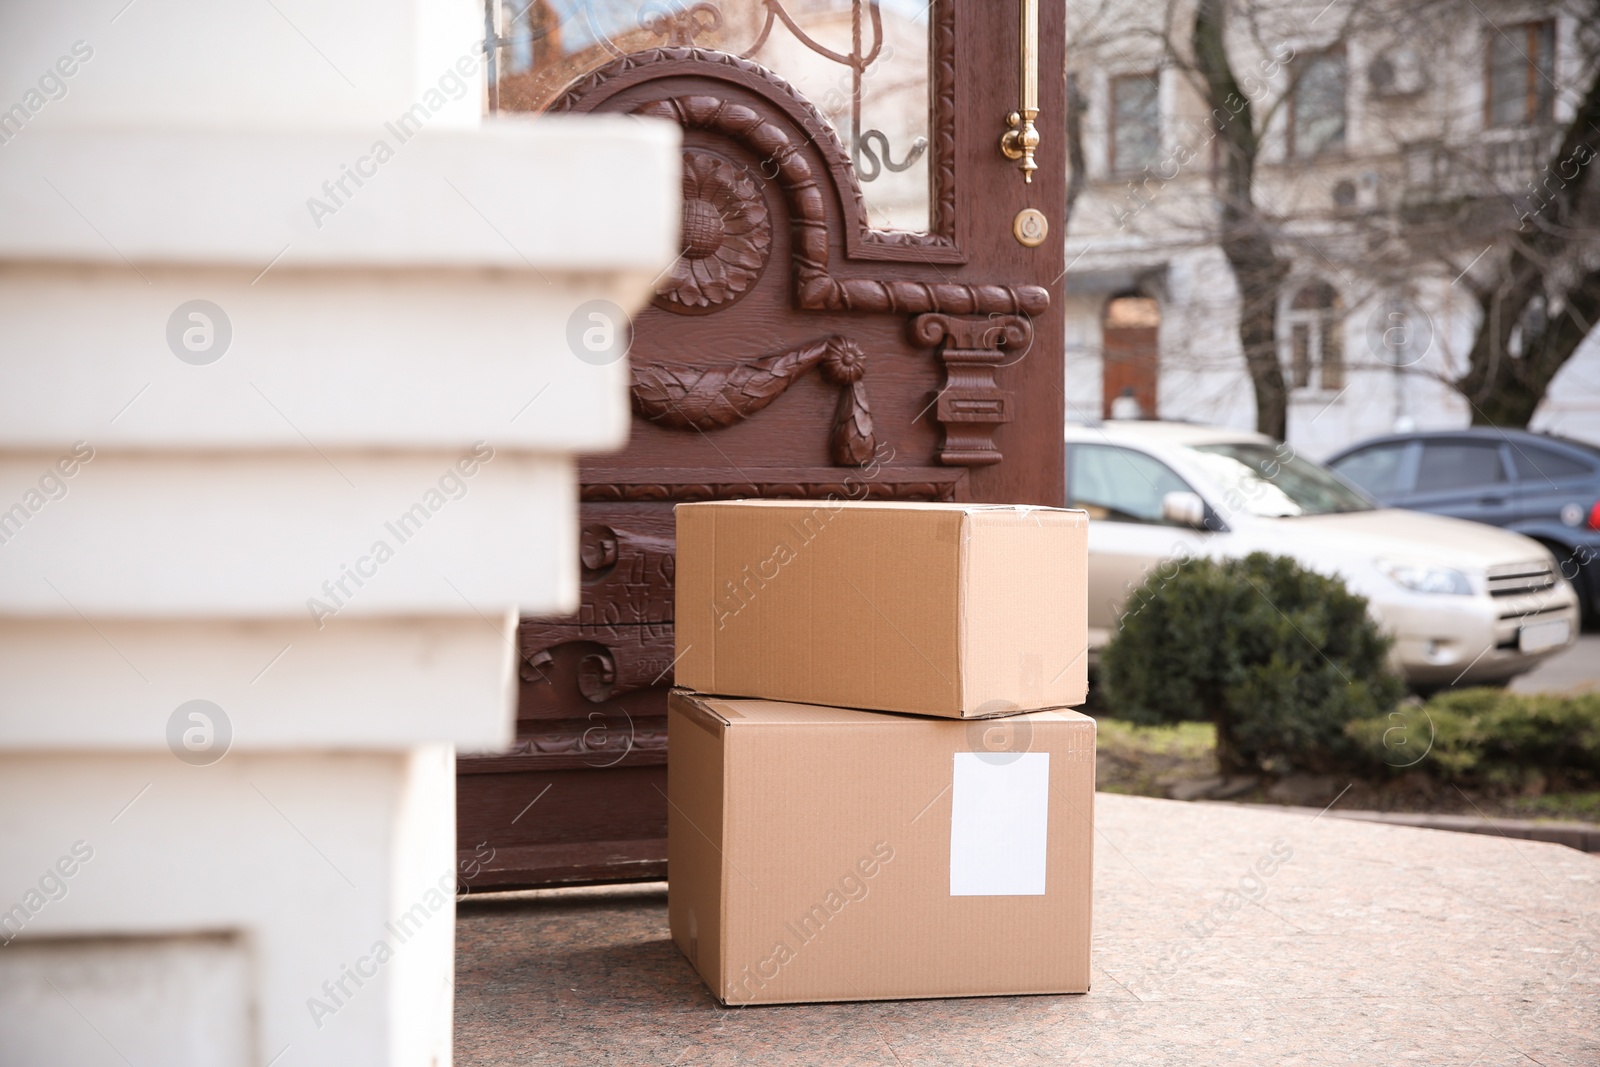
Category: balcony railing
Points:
column 1497, row 163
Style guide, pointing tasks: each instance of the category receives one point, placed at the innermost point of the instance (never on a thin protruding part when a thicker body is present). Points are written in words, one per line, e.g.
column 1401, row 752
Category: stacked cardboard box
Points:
column 875, row 789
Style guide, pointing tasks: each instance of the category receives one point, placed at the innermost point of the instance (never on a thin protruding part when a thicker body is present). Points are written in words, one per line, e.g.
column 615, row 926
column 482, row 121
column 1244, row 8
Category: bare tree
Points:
column 1245, row 236
column 1540, row 297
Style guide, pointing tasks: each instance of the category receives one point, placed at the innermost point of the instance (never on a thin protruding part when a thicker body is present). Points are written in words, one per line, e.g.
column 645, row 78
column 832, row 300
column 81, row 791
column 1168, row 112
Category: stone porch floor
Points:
column 1374, row 944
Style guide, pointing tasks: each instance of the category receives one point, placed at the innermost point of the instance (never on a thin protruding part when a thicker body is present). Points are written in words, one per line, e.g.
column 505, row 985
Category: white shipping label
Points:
column 998, row 807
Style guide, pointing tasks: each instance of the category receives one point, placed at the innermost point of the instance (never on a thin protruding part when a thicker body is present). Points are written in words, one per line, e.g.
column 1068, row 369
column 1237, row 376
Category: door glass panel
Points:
column 864, row 64
column 1118, row 484
column 1458, row 465
column 1300, row 349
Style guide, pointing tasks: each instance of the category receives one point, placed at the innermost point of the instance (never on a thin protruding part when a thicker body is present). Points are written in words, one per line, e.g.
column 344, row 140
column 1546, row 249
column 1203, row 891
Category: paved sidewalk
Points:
column 1583, row 836
column 1575, row 670
column 1373, row 944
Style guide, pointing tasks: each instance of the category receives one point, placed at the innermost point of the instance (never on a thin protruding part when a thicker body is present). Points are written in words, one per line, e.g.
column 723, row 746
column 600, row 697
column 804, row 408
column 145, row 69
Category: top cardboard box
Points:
column 957, row 610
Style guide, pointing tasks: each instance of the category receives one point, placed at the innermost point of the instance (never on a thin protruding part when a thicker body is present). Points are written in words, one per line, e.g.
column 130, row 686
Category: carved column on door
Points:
column 971, row 405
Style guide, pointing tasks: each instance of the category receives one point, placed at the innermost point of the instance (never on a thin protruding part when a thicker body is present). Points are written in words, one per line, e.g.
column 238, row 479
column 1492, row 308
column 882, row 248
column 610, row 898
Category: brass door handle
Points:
column 1020, row 141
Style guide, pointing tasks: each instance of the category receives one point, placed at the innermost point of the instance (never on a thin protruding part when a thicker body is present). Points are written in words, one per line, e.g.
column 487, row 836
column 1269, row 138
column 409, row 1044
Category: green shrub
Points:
column 1278, row 657
column 1489, row 738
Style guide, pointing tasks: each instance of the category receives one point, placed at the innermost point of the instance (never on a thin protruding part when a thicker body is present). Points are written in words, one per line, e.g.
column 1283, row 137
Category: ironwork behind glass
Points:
column 864, row 64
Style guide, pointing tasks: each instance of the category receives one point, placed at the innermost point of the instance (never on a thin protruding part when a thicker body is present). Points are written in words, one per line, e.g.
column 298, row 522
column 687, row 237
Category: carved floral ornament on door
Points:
column 727, row 235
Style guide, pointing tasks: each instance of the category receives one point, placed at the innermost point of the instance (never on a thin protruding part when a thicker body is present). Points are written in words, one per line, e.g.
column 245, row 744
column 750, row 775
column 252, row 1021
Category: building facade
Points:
column 1395, row 146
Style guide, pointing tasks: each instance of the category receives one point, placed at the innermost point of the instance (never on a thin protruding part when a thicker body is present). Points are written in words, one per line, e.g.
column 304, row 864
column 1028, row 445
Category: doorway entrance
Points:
column 1130, row 330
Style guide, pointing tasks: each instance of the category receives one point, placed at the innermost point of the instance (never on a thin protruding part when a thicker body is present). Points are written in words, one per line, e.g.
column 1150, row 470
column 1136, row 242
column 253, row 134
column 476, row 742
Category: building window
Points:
column 1522, row 67
column 1135, row 122
column 1316, row 106
column 1315, row 348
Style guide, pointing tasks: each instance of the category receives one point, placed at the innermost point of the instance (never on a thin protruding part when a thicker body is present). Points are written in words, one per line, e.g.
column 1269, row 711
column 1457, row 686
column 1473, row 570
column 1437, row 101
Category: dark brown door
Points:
column 854, row 315
column 1130, row 345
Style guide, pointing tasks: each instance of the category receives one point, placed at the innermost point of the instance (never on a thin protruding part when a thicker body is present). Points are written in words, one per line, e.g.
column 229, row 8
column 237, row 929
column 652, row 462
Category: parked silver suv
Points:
column 1467, row 603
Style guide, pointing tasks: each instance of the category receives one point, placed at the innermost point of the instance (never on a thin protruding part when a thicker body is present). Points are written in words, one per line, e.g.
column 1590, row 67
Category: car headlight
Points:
column 1421, row 578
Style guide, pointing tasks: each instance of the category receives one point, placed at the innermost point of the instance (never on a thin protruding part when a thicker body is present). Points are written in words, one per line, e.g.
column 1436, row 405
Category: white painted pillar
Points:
column 282, row 456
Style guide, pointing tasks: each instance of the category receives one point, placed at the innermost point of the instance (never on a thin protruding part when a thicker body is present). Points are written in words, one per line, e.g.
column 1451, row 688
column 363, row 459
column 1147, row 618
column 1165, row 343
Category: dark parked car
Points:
column 1545, row 487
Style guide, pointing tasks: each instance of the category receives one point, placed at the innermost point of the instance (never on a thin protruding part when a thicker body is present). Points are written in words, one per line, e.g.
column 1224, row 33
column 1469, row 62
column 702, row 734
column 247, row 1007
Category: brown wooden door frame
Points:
column 853, row 364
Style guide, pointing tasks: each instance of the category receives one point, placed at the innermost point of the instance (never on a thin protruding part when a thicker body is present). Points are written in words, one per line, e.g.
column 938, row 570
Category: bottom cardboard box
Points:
column 822, row 854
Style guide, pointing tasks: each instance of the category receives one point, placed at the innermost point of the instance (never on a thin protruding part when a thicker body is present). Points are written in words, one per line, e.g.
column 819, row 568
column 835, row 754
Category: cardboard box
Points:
column 961, row 610
column 820, row 854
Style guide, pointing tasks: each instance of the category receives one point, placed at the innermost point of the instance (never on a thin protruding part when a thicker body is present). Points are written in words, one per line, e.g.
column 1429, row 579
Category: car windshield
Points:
column 1272, row 482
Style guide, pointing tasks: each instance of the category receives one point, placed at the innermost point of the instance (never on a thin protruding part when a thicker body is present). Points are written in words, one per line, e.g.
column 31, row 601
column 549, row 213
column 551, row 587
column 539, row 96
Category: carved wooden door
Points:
column 862, row 309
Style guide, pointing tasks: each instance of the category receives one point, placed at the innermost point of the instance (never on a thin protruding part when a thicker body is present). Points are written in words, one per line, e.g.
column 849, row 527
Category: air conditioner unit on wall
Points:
column 1397, row 72
column 1357, row 194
